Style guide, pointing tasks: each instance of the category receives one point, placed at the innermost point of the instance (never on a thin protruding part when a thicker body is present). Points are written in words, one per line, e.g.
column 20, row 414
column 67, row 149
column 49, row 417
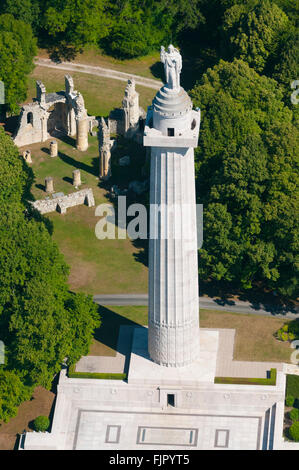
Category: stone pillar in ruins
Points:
column 49, row 184
column 76, row 178
column 131, row 105
column 105, row 151
column 53, row 148
column 69, row 92
column 81, row 124
column 40, row 92
column 27, row 156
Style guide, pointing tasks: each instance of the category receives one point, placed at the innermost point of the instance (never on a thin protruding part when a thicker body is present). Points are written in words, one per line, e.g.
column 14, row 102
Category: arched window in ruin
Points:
column 30, row 118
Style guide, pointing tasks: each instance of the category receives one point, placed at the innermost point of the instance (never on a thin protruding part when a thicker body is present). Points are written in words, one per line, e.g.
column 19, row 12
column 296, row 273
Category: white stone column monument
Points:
column 171, row 131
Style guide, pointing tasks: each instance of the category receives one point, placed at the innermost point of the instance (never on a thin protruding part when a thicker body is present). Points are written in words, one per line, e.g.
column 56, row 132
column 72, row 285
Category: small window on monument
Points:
column 30, row 118
column 170, row 399
column 170, row 132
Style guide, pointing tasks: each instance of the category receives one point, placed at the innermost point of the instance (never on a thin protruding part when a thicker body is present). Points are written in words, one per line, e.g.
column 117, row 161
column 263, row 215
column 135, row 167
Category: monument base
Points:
column 143, row 370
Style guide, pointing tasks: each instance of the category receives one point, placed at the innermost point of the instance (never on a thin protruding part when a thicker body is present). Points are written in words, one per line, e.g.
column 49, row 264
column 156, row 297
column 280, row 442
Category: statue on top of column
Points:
column 172, row 61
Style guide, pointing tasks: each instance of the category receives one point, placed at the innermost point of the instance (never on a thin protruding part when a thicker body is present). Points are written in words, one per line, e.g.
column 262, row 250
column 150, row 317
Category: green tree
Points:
column 253, row 34
column 22, row 33
column 25, row 10
column 138, row 29
column 286, row 68
column 247, row 178
column 32, row 293
column 12, row 65
column 78, row 22
column 17, row 49
column 83, row 319
column 15, row 178
column 12, row 393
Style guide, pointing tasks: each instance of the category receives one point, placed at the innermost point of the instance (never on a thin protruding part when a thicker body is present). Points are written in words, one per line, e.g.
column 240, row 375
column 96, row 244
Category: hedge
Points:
column 94, row 375
column 248, row 380
column 292, row 386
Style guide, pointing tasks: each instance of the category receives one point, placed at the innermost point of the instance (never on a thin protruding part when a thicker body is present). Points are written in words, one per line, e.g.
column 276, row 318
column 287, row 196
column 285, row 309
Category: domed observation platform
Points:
column 170, row 121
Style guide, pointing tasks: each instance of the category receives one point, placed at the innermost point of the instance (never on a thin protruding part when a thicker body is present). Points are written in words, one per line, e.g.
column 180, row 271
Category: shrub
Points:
column 290, row 400
column 294, row 414
column 41, row 423
column 294, row 431
column 285, row 328
column 284, row 336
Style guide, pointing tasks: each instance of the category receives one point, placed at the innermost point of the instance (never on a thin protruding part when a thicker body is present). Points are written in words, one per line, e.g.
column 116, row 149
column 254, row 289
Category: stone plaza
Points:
column 165, row 408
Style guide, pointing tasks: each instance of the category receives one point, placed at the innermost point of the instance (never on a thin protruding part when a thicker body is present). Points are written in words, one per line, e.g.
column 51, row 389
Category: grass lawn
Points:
column 254, row 334
column 254, row 339
column 97, row 266
column 101, row 94
column 143, row 66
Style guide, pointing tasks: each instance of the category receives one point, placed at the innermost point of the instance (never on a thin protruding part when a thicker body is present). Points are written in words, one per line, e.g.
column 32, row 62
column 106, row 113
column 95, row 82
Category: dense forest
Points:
column 240, row 59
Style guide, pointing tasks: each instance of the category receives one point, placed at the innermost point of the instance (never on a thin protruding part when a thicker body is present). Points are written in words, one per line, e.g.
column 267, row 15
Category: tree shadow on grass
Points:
column 109, row 329
column 61, row 51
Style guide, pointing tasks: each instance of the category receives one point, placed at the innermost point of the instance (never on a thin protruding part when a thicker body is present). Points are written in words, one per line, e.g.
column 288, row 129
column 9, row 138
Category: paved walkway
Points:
column 117, row 364
column 226, row 366
column 99, row 71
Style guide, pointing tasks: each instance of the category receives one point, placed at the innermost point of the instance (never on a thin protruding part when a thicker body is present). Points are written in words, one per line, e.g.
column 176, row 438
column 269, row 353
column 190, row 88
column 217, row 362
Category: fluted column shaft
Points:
column 173, row 271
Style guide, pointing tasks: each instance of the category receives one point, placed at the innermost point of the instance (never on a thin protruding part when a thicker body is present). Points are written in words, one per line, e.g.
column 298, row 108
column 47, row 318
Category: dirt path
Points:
column 100, row 71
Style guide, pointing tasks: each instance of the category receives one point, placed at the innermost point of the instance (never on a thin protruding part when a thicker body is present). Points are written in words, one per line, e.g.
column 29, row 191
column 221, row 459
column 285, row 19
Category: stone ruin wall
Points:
column 61, row 204
column 62, row 111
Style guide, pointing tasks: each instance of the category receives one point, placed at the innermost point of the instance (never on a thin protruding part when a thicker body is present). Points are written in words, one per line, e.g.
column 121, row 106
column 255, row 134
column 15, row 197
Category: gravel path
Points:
column 99, row 71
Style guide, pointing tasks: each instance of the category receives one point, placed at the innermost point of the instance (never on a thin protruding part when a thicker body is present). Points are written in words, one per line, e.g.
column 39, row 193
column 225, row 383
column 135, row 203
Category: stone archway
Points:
column 58, row 118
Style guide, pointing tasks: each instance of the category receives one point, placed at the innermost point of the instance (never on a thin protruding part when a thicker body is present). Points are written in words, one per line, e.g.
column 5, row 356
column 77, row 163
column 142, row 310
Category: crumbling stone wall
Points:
column 61, row 204
column 126, row 120
column 64, row 111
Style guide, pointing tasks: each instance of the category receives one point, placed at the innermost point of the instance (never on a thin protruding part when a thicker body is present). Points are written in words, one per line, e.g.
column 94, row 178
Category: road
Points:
column 205, row 303
column 99, row 71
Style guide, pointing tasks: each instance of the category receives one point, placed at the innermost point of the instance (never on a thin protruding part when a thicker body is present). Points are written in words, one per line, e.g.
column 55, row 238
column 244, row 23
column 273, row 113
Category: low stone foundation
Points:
column 61, row 204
